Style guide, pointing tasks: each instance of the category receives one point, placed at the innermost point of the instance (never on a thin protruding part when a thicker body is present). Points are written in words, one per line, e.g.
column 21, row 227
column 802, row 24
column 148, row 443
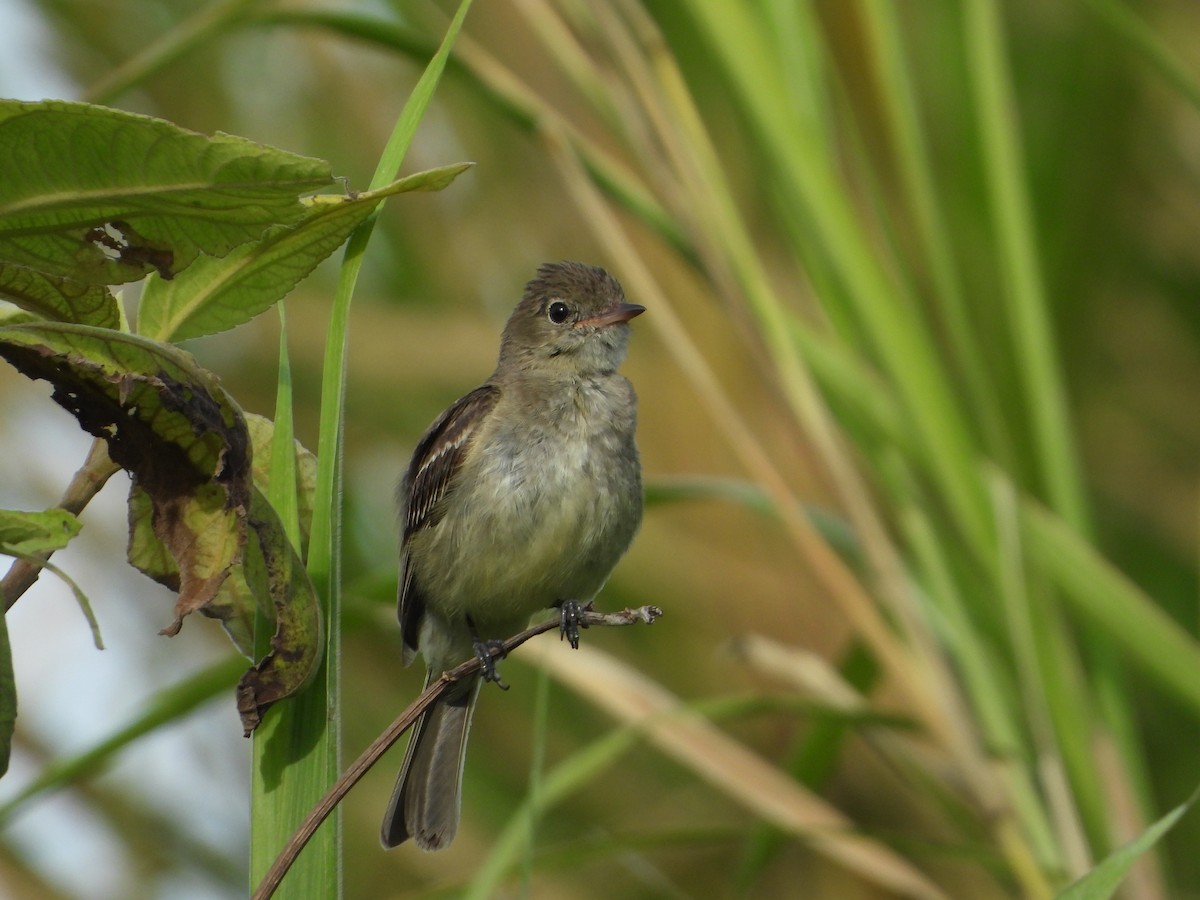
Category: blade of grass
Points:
column 168, row 705
column 987, row 684
column 1032, row 632
column 805, row 178
column 1033, row 347
column 316, row 747
column 1104, row 597
column 1104, row 880
column 1031, row 333
column 203, row 25
column 726, row 765
column 280, row 796
column 899, row 106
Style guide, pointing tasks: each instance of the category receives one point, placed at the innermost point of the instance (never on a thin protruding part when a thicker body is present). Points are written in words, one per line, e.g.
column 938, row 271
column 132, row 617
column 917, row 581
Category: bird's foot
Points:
column 571, row 620
column 489, row 653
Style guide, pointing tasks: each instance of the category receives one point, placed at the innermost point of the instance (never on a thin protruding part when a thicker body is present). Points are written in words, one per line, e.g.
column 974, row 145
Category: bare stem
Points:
column 383, row 743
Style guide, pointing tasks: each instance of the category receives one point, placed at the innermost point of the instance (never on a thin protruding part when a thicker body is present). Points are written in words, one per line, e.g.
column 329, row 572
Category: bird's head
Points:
column 573, row 319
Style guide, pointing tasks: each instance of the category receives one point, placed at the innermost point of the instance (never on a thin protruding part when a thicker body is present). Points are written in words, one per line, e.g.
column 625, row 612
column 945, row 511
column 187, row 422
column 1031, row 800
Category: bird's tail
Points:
column 427, row 798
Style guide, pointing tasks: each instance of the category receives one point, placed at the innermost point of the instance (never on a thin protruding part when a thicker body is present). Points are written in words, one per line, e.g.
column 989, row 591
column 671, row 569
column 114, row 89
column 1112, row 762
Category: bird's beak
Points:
column 622, row 312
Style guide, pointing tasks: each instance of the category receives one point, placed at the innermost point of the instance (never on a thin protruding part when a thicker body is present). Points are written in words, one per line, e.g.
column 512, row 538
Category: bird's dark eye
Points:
column 558, row 312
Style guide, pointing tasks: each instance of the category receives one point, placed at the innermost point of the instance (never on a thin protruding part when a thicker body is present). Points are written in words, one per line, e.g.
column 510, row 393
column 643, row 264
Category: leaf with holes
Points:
column 101, row 196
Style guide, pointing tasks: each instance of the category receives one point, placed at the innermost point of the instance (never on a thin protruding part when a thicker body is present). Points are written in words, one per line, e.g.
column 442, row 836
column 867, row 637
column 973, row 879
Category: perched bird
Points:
column 521, row 496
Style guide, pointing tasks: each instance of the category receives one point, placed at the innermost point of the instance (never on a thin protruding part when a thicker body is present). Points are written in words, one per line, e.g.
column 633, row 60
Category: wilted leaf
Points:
column 196, row 518
column 262, row 434
column 217, row 294
column 62, row 299
column 167, row 421
column 236, row 602
column 103, row 196
column 273, row 569
column 25, row 533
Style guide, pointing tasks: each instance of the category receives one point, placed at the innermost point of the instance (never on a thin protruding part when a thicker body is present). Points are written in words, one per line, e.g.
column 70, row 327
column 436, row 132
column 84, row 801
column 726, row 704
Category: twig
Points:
column 85, row 484
column 383, row 743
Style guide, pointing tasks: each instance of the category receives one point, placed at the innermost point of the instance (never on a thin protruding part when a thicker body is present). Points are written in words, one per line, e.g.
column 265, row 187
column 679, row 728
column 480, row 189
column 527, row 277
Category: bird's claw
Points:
column 489, row 653
column 570, row 621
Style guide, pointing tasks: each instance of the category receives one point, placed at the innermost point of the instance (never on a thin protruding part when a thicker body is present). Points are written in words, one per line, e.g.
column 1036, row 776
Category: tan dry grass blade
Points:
column 727, row 765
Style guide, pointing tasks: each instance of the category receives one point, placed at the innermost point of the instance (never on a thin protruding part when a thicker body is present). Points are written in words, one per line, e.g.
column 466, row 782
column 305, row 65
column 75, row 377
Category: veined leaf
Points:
column 102, row 196
column 216, row 294
column 23, row 533
column 55, row 297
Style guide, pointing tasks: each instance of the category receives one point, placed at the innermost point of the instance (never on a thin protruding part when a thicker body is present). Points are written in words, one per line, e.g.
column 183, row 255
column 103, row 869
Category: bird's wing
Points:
column 438, row 456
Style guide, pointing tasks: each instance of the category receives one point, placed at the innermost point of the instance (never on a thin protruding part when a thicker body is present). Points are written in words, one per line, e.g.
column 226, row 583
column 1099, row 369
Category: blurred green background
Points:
column 1105, row 123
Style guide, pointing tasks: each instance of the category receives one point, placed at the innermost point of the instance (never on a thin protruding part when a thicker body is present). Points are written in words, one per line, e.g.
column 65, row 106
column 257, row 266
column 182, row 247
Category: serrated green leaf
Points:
column 214, row 295
column 103, row 196
column 23, row 533
column 62, row 299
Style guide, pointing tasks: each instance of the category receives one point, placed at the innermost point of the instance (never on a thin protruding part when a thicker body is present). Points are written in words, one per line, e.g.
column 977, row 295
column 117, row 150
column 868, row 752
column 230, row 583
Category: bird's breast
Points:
column 543, row 509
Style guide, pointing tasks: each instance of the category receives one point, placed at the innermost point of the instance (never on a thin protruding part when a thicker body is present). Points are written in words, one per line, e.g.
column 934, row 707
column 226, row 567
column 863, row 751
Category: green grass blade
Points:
column 1012, row 221
column 1104, row 597
column 317, row 742
column 807, row 180
column 916, row 171
column 1104, row 880
column 167, row 705
column 278, row 799
column 205, row 24
column 1118, row 16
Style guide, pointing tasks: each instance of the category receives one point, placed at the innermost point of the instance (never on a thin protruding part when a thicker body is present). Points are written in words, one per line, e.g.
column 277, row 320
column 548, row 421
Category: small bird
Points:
column 521, row 496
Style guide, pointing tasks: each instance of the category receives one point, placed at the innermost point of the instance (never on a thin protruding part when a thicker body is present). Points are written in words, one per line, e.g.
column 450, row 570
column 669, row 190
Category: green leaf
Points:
column 215, row 294
column 33, row 536
column 169, row 422
column 102, row 196
column 1102, row 882
column 54, row 297
column 23, row 533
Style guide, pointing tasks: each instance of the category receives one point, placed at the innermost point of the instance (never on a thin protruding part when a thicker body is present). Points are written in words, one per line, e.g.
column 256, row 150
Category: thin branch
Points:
column 384, row 742
column 86, row 484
